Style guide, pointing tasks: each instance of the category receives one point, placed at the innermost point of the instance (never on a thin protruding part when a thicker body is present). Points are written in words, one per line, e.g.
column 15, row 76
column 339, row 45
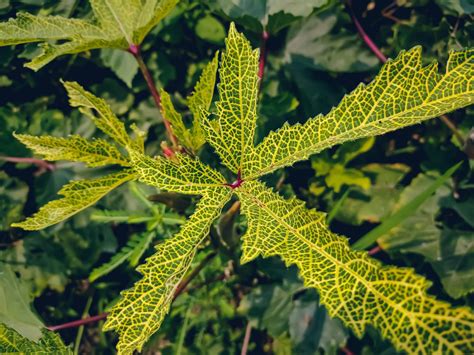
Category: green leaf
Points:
column 96, row 152
column 210, row 29
column 13, row 343
column 15, row 310
column 141, row 310
column 122, row 63
column 404, row 212
column 132, row 251
column 232, row 133
column 402, row 94
column 353, row 287
column 78, row 195
column 183, row 174
column 115, row 25
column 313, row 44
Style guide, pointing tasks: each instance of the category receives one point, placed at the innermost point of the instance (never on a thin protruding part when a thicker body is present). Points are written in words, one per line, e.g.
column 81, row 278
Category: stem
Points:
column 378, row 53
column 365, row 37
column 80, row 331
column 245, row 345
column 41, row 164
column 374, row 250
column 136, row 52
column 263, row 55
column 79, row 322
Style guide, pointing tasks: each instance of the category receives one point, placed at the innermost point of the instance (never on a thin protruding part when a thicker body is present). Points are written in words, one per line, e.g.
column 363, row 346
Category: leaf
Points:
column 232, row 133
column 185, row 174
column 132, row 251
column 105, row 120
column 404, row 212
column 94, row 153
column 115, row 25
column 78, row 195
column 122, row 63
column 199, row 101
column 141, row 310
column 313, row 44
column 402, row 94
column 353, row 287
column 13, row 343
column 15, row 310
column 210, row 29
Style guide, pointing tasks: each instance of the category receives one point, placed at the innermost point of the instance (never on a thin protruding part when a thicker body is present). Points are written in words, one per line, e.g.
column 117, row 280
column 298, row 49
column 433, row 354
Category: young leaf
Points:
column 94, row 153
column 116, row 25
column 132, row 251
column 105, row 120
column 402, row 94
column 13, row 343
column 183, row 174
column 199, row 102
column 78, row 195
column 141, row 310
column 232, row 133
column 352, row 286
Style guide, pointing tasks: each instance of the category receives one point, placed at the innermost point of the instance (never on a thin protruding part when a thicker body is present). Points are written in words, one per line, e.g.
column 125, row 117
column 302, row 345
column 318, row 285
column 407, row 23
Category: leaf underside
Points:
column 352, row 286
column 116, row 24
column 142, row 308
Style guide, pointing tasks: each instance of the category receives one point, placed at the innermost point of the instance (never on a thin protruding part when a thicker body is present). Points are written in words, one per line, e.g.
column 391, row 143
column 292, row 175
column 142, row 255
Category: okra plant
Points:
column 354, row 287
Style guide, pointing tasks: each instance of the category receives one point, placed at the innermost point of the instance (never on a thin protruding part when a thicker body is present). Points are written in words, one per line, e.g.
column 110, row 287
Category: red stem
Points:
column 136, row 52
column 245, row 345
column 365, row 37
column 41, row 164
column 375, row 250
column 79, row 322
column 263, row 55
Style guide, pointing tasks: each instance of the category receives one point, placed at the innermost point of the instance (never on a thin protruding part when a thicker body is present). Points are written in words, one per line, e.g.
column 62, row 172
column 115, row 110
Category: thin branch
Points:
column 263, row 55
column 42, row 165
column 245, row 344
column 378, row 53
column 79, row 322
column 375, row 250
column 135, row 50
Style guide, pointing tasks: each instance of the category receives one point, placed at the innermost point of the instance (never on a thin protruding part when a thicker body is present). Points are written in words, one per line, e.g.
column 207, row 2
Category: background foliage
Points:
column 314, row 55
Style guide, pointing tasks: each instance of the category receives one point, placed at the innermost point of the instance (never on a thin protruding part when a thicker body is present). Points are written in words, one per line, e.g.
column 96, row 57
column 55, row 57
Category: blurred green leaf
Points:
column 15, row 311
column 210, row 29
column 121, row 63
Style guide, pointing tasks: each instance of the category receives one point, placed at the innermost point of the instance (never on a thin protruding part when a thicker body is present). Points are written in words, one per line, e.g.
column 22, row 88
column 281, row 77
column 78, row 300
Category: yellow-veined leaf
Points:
column 402, row 94
column 183, row 174
column 96, row 152
column 142, row 308
column 13, row 343
column 352, row 286
column 117, row 24
column 232, row 132
column 78, row 195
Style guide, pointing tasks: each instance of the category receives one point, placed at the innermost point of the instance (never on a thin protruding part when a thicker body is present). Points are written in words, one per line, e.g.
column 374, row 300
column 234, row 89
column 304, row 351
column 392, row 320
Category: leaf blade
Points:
column 142, row 309
column 404, row 93
column 353, row 287
column 77, row 196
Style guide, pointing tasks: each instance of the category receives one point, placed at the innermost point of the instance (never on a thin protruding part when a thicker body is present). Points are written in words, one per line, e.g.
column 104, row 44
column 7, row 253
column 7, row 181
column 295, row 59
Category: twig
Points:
column 346, row 351
column 136, row 52
column 79, row 322
column 263, row 55
column 375, row 250
column 245, row 344
column 42, row 165
column 378, row 53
